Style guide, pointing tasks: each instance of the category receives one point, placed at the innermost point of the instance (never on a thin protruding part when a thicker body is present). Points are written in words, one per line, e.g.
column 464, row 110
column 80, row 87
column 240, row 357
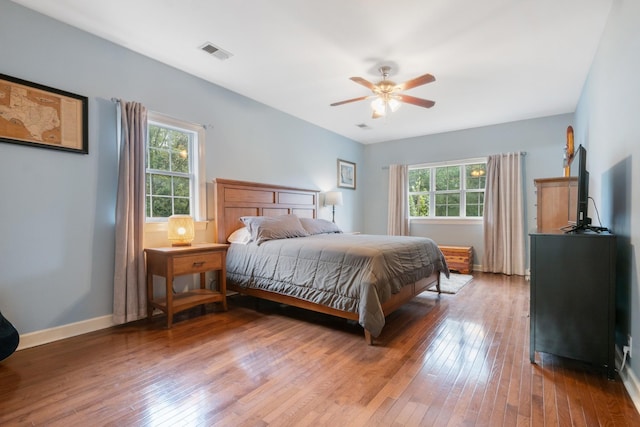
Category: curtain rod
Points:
column 203, row 125
column 522, row 153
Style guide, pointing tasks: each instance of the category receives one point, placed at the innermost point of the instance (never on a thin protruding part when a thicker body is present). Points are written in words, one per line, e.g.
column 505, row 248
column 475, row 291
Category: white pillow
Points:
column 241, row 236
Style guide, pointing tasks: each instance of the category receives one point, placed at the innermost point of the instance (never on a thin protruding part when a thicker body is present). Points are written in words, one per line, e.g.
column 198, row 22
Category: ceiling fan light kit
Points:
column 386, row 93
column 382, row 105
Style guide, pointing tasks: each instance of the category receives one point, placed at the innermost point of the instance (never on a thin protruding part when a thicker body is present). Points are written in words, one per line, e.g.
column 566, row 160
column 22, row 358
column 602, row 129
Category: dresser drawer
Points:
column 197, row 263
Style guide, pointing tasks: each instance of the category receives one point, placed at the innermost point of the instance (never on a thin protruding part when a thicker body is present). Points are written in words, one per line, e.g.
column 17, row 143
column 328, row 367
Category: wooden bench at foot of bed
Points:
column 459, row 258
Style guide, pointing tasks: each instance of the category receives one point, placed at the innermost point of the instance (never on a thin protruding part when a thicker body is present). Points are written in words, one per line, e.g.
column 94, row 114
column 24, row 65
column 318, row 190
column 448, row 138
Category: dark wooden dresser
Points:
column 573, row 296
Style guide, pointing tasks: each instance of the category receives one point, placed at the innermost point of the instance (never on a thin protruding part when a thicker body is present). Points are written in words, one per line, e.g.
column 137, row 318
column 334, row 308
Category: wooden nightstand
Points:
column 179, row 260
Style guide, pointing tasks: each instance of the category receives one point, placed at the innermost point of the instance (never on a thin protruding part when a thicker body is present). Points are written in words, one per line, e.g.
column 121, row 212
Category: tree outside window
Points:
column 453, row 190
column 475, row 181
column 173, row 171
column 419, row 184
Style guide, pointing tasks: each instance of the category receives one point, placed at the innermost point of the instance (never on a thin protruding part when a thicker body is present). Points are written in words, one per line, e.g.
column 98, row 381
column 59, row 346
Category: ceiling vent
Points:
column 214, row 50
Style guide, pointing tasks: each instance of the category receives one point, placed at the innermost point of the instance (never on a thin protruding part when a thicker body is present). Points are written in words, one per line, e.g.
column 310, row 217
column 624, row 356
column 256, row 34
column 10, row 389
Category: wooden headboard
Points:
column 233, row 199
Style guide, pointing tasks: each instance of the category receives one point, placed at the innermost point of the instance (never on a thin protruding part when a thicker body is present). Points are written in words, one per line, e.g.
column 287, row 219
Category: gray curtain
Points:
column 129, row 288
column 398, row 211
column 504, row 240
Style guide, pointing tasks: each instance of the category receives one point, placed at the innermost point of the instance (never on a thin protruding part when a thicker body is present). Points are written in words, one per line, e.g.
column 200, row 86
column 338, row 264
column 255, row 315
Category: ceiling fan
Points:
column 387, row 93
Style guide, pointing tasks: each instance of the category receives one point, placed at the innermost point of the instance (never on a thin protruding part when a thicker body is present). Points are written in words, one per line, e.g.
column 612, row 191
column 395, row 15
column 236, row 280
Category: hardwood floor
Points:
column 457, row 360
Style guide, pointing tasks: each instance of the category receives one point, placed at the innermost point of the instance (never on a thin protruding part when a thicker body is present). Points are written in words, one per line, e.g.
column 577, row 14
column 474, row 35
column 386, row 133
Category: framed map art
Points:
column 40, row 116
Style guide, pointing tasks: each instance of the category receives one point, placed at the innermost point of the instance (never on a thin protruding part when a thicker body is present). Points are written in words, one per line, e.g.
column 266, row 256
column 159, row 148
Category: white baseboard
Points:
column 479, row 267
column 629, row 379
column 45, row 336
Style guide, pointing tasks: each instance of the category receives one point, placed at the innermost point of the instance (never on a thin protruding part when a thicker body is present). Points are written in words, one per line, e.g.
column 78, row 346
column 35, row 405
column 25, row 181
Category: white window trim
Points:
column 443, row 220
column 450, row 163
column 200, row 208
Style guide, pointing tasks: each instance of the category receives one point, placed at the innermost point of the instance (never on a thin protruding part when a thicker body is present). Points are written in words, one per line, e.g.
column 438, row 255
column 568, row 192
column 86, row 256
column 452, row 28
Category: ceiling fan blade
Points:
column 365, row 83
column 415, row 101
column 418, row 81
column 361, row 98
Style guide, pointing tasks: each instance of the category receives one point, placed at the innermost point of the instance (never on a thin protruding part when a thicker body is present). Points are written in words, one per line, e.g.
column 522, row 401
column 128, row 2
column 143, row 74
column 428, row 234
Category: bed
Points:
column 352, row 276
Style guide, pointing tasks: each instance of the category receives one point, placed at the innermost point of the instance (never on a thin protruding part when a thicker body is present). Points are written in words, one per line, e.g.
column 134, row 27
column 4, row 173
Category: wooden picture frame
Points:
column 346, row 174
column 40, row 116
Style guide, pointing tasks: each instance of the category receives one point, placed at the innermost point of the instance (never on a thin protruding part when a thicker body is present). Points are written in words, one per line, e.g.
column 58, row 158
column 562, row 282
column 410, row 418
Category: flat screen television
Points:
column 582, row 217
column 579, row 168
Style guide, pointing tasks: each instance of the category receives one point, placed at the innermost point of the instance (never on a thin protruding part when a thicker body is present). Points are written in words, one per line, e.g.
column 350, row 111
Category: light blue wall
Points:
column 608, row 123
column 57, row 209
column 542, row 139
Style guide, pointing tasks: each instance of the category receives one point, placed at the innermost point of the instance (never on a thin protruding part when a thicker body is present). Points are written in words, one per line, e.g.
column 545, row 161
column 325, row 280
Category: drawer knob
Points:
column 198, row 264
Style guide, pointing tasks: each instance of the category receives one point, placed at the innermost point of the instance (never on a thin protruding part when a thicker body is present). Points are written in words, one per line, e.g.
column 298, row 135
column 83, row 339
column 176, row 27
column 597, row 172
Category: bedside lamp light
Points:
column 333, row 199
column 180, row 230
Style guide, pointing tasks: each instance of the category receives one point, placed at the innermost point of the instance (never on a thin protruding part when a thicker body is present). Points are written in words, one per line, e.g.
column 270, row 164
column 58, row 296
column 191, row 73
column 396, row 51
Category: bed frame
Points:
column 233, row 199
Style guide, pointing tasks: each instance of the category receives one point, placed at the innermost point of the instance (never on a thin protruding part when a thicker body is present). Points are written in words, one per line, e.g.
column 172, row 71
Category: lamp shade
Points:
column 394, row 104
column 385, row 104
column 180, row 230
column 379, row 106
column 333, row 198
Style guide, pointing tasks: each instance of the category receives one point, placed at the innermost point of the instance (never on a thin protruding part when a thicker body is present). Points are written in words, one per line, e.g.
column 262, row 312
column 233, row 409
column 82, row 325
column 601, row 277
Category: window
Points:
column 175, row 178
column 447, row 190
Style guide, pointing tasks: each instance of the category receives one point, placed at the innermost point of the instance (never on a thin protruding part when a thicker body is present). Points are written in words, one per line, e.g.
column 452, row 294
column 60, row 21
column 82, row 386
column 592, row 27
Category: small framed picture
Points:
column 40, row 116
column 346, row 174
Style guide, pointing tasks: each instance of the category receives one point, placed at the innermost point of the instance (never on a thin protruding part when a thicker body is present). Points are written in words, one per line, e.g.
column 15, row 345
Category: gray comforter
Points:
column 354, row 273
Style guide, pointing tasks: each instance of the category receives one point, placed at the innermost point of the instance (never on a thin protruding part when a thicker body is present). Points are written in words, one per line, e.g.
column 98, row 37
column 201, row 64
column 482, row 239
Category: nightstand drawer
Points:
column 197, row 263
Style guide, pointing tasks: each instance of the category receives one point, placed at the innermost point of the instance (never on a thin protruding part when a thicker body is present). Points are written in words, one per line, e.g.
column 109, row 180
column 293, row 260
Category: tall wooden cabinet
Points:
column 556, row 202
column 573, row 296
